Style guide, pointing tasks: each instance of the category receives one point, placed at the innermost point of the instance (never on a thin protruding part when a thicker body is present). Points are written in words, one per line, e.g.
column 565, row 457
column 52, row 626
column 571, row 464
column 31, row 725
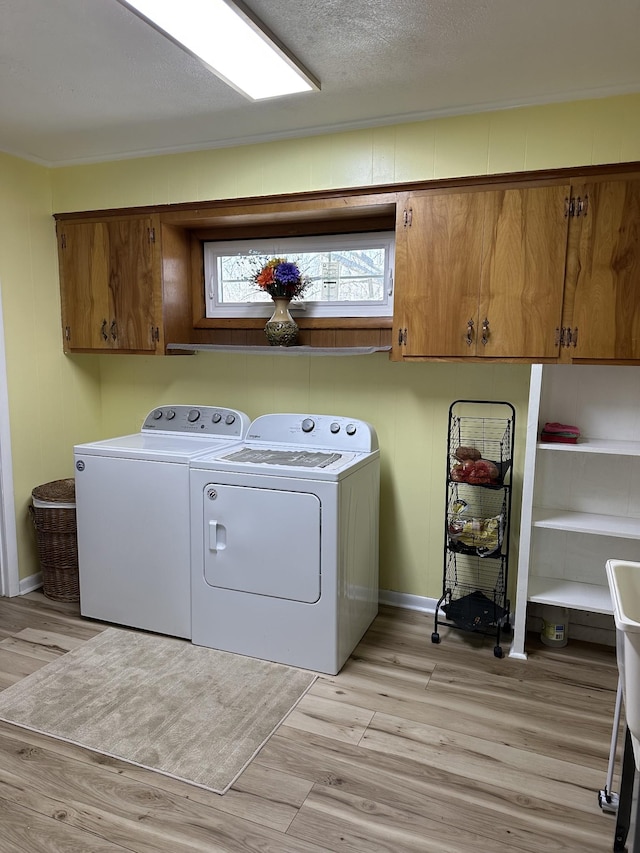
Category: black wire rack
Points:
column 480, row 447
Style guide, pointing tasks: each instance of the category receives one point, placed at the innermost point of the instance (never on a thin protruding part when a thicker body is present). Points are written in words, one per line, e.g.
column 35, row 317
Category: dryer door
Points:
column 262, row 541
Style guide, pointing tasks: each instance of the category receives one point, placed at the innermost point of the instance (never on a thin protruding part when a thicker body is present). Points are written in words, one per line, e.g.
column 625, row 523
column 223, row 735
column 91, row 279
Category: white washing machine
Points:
column 132, row 507
column 285, row 541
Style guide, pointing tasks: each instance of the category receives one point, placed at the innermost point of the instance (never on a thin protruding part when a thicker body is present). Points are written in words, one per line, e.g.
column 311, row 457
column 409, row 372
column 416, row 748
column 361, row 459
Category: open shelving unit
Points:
column 580, row 502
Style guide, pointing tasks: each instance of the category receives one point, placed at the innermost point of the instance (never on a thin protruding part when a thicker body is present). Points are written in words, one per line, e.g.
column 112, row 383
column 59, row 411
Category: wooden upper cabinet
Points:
column 110, row 280
column 529, row 266
column 523, row 270
column 83, row 253
column 605, row 286
column 481, row 273
column 438, row 266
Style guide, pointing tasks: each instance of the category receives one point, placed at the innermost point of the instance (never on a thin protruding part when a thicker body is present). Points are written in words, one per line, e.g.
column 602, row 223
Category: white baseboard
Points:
column 591, row 627
column 29, row 584
column 407, row 601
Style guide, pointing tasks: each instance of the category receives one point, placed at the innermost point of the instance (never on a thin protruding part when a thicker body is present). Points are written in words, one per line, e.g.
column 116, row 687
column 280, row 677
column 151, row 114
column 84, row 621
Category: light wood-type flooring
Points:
column 412, row 747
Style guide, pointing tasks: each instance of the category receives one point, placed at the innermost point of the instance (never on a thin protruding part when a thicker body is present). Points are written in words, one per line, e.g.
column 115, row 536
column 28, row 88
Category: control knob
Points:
column 229, row 419
column 170, row 414
column 335, row 427
column 157, row 414
column 307, row 425
column 193, row 416
column 216, row 418
column 350, row 429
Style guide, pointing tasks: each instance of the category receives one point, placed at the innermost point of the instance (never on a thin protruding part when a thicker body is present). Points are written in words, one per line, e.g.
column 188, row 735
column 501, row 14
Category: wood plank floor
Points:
column 412, row 747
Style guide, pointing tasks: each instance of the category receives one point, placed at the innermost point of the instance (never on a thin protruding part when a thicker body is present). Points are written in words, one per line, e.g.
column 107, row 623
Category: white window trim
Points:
column 284, row 247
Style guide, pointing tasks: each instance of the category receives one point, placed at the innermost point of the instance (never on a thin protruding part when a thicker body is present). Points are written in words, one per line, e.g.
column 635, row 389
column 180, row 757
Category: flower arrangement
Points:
column 280, row 278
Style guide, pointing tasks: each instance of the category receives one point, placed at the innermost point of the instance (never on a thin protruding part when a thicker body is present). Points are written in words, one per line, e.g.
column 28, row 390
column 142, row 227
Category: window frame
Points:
column 285, row 247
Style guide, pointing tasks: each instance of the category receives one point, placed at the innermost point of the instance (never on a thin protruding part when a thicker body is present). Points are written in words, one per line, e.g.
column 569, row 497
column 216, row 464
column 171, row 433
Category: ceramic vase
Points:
column 281, row 329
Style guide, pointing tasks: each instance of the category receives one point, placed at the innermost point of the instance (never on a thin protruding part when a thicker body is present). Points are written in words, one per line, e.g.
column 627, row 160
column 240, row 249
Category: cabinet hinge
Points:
column 407, row 217
column 402, row 337
column 568, row 337
column 63, row 241
column 582, row 205
column 67, row 333
column 576, row 206
column 152, row 235
column 155, row 334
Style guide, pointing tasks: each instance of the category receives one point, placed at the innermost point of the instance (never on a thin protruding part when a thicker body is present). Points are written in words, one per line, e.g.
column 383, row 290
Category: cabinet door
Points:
column 133, row 271
column 606, row 309
column 438, row 264
column 523, row 269
column 481, row 273
column 109, row 275
column 83, row 251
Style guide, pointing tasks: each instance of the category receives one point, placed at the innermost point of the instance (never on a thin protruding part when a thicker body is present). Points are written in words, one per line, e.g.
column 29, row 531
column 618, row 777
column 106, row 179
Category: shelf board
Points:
column 595, row 445
column 565, row 593
column 267, row 350
column 586, row 522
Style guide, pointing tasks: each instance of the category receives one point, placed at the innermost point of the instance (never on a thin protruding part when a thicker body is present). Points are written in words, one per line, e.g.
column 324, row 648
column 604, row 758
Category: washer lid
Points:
column 155, row 446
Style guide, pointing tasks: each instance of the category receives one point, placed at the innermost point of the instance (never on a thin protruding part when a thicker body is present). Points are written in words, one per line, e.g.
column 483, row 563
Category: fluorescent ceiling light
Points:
column 231, row 42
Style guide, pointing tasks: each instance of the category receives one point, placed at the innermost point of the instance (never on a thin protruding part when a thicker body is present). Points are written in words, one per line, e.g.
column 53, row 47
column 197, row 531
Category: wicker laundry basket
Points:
column 53, row 511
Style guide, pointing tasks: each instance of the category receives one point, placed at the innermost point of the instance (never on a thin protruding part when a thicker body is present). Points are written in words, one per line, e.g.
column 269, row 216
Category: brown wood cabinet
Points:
column 480, row 273
column 603, row 281
column 119, row 287
column 531, row 266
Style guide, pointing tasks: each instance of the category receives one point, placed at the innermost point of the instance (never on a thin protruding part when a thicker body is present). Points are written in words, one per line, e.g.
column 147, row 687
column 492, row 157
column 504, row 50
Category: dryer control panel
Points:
column 197, row 420
column 332, row 432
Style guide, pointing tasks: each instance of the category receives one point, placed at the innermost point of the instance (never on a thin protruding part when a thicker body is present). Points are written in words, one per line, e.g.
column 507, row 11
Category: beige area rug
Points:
column 192, row 713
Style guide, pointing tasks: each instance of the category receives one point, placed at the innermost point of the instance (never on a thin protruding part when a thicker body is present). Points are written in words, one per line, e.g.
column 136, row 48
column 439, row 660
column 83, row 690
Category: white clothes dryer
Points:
column 285, row 541
column 132, row 508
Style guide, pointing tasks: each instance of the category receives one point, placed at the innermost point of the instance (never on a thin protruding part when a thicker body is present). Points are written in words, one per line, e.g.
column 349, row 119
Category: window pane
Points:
column 348, row 275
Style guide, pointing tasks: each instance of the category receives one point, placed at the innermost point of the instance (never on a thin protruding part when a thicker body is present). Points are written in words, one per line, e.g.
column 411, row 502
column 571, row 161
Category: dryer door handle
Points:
column 217, row 536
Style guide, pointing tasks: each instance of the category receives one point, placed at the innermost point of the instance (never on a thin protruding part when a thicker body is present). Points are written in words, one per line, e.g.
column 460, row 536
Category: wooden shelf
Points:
column 267, row 350
column 573, row 594
column 595, row 445
column 586, row 522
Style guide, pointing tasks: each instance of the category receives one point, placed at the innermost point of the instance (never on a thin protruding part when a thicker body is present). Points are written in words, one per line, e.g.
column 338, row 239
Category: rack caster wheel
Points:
column 497, row 650
column 435, row 637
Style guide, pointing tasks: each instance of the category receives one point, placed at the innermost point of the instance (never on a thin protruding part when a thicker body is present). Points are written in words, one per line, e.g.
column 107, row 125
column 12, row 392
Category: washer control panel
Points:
column 197, row 420
column 322, row 431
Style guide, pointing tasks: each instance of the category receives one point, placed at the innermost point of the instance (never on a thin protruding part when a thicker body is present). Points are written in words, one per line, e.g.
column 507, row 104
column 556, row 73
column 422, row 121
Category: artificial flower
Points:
column 280, row 278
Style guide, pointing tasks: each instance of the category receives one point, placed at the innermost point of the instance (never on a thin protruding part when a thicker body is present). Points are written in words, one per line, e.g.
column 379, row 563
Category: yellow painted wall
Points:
column 52, row 400
column 407, row 404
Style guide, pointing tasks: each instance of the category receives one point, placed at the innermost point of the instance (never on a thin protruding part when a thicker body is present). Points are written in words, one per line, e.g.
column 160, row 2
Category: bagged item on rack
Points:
column 477, row 472
column 466, row 452
column 482, row 534
column 560, row 433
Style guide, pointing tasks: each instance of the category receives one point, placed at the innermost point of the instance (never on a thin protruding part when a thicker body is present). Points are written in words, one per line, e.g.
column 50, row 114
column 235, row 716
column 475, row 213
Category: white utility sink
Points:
column 624, row 584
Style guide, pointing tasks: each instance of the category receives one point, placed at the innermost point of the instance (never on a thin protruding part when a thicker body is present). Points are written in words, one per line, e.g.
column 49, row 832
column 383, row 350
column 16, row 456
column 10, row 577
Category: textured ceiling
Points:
column 86, row 80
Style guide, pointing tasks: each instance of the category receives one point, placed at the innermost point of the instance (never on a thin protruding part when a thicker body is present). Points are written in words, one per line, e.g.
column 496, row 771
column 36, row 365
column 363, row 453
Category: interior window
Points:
column 349, row 275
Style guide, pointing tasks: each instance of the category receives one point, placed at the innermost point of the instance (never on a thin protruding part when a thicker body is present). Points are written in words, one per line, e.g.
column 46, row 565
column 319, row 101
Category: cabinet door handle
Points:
column 469, row 335
column 114, row 330
column 103, row 331
column 485, row 332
